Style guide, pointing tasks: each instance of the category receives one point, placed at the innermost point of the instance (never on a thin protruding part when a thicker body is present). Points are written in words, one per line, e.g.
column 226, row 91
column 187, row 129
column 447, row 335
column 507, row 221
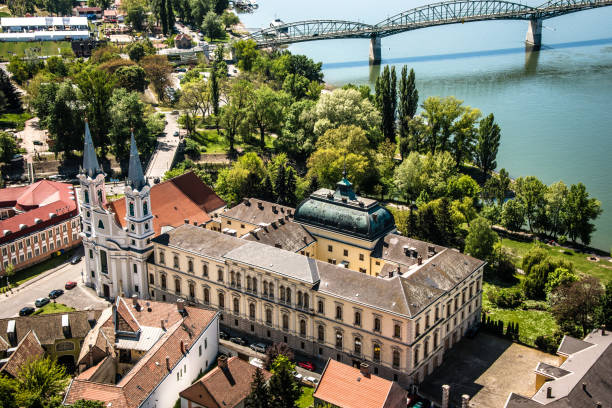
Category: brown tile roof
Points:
column 151, row 369
column 28, row 349
column 346, row 387
column 87, row 374
column 250, row 211
column 182, row 198
column 48, row 328
column 283, row 234
column 125, row 320
column 99, row 339
column 224, row 388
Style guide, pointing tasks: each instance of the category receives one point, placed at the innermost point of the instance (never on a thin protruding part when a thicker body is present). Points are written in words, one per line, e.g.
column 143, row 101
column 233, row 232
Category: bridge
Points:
column 431, row 15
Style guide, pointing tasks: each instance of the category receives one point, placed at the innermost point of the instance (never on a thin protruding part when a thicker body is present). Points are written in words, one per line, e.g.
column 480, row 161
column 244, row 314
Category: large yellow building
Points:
column 367, row 294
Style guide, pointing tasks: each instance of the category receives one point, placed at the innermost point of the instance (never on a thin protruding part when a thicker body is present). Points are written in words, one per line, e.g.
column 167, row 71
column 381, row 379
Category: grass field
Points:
column 14, row 120
column 10, row 48
column 25, row 275
column 213, row 142
column 306, row 400
column 50, row 308
column 601, row 269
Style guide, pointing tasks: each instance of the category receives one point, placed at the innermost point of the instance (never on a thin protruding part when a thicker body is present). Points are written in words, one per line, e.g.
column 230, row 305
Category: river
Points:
column 554, row 106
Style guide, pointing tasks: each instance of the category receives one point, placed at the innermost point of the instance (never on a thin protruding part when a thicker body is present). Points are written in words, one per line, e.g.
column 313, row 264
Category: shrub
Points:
column 506, row 298
column 549, row 343
column 192, row 148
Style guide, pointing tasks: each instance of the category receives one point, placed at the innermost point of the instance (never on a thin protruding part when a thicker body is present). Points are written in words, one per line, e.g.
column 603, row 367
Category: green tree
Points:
column 558, row 277
column 246, row 54
column 487, row 144
column 57, row 66
column 259, row 397
column 555, row 197
column 243, row 179
column 297, row 86
column 195, row 97
column 87, row 404
column 580, row 210
column 408, row 102
column 127, row 113
column 132, row 78
column 136, row 51
column 7, row 392
column 8, row 147
column 212, row 26
column 13, row 101
column 577, row 303
column 386, row 101
column 136, row 13
column 265, row 110
column 463, row 186
column 284, row 388
column 513, row 215
column 229, row 19
column 497, row 186
column 158, row 71
column 40, row 381
column 297, row 138
column 606, row 306
column 234, row 113
column 65, row 120
column 530, row 192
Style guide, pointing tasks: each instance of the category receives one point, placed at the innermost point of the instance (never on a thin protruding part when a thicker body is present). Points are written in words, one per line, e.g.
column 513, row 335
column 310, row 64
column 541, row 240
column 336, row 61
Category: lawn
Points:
column 114, row 197
column 25, row 275
column 601, row 269
column 213, row 142
column 50, row 308
column 10, row 48
column 14, row 120
column 306, row 400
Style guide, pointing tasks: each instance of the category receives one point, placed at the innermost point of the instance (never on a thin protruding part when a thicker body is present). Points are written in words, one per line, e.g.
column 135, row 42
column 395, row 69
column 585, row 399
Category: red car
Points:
column 70, row 285
column 306, row 365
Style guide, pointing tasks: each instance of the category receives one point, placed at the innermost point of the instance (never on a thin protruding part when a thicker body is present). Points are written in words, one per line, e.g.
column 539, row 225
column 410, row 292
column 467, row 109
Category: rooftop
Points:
column 255, row 212
column 223, row 387
column 347, row 387
column 43, row 21
column 28, row 348
column 283, row 234
column 192, row 200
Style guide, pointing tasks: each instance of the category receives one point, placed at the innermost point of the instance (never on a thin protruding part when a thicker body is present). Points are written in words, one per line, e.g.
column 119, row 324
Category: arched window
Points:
column 338, row 339
column 206, row 295
column 306, row 301
column 397, row 331
column 238, row 280
column 163, row 282
column 357, row 345
column 269, row 316
column 131, row 209
column 252, row 310
column 265, row 288
column 190, row 266
column 321, row 333
column 100, row 201
column 221, row 300
column 177, row 286
column 288, row 295
column 302, row 327
column 357, row 318
column 236, row 306
column 86, row 197
column 285, row 322
column 281, row 291
column 299, row 298
column 176, row 262
column 396, row 358
column 376, row 352
column 220, row 275
column 377, row 324
column 191, row 290
column 271, row 290
column 145, row 208
column 320, row 308
column 255, row 285
column 249, row 283
column 100, row 224
column 339, row 312
column 232, row 278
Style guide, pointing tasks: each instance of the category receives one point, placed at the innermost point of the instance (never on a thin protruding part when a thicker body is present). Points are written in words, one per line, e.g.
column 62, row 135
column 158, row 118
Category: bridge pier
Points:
column 375, row 54
column 533, row 40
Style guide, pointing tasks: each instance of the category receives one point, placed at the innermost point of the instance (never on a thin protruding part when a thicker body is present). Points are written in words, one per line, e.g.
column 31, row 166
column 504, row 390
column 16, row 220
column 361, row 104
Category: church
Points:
column 117, row 235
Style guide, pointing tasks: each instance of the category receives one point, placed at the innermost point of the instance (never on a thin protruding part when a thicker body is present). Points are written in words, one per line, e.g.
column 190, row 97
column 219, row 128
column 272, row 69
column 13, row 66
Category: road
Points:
column 162, row 158
column 81, row 297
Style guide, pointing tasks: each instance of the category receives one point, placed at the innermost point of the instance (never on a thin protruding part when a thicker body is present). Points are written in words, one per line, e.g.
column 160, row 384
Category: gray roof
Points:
column 276, row 260
column 135, row 175
column 392, row 248
column 255, row 211
column 570, row 345
column 90, row 161
column 199, row 240
column 551, row 370
column 143, row 342
column 283, row 234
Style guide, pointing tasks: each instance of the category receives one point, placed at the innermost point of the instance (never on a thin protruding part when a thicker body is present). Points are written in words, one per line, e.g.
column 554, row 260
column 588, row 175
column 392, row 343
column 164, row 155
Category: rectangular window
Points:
column 50, row 233
column 103, row 261
column 205, row 270
column 135, row 267
column 64, row 227
column 4, row 251
column 362, row 270
column 66, row 241
column 361, row 257
column 51, row 246
column 346, row 252
column 36, row 252
column 36, row 239
column 151, row 279
column 330, row 248
column 20, row 244
column 91, row 254
column 28, row 242
column 200, row 350
column 136, row 289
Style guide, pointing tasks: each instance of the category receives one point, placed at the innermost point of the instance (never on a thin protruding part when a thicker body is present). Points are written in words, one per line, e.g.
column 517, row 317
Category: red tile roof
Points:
column 37, row 201
column 125, row 319
column 223, row 388
column 346, row 387
column 28, row 349
column 182, row 198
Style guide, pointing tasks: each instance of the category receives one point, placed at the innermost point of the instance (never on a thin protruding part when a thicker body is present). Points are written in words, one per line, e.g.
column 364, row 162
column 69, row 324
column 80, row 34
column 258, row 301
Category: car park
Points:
column 70, row 285
column 238, row 340
column 223, row 335
column 40, row 302
column 258, row 347
column 307, row 365
column 28, row 310
column 54, row 294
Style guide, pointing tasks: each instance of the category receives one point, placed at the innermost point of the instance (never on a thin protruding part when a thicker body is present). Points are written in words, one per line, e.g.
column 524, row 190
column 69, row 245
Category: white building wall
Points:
column 187, row 370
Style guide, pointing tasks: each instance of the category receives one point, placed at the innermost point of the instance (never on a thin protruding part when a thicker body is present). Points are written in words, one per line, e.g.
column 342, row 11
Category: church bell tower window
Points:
column 131, row 209
column 145, row 209
column 86, row 197
column 100, row 201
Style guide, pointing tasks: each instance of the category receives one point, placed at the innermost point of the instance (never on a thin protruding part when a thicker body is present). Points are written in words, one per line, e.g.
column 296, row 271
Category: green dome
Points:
column 343, row 212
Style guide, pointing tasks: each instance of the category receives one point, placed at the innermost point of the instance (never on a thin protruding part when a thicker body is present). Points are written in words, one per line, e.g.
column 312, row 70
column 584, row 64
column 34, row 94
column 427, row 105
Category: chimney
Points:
column 584, row 386
column 91, row 362
column 431, row 250
column 91, row 318
column 66, row 326
column 168, row 363
column 260, row 205
column 254, row 233
column 162, row 325
column 465, row 401
column 549, row 392
column 274, row 209
column 305, row 238
column 273, row 224
column 182, row 347
column 246, row 202
column 135, row 300
column 222, row 362
column 419, row 260
column 11, row 333
column 186, row 220
column 375, row 217
column 445, row 395
column 598, row 404
column 391, row 274
column 180, row 306
column 406, row 250
column 603, row 329
column 365, row 369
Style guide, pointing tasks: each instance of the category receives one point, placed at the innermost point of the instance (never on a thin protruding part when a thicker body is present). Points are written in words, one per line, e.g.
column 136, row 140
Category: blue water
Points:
column 554, row 106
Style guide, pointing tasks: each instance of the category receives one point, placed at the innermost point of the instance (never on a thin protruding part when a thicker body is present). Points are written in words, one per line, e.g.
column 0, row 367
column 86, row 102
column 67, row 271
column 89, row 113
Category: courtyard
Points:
column 487, row 368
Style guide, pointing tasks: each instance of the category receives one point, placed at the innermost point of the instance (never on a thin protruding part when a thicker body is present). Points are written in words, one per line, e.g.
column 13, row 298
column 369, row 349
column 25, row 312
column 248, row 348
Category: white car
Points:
column 257, row 362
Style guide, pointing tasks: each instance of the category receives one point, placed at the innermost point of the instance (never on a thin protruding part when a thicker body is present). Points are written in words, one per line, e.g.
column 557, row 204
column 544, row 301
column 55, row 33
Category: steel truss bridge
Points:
column 431, row 15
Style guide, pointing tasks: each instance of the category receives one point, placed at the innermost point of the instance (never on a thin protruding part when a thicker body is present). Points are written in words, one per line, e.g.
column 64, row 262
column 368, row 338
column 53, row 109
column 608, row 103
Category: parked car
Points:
column 40, row 302
column 54, row 294
column 70, row 285
column 311, row 380
column 75, row 260
column 238, row 340
column 28, row 310
column 257, row 362
column 37, row 143
column 258, row 347
column 298, row 376
column 223, row 335
column 306, row 365
column 176, row 133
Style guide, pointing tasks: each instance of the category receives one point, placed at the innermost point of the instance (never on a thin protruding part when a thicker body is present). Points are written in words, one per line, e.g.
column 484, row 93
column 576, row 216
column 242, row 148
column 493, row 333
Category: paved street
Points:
column 164, row 152
column 33, row 133
column 80, row 297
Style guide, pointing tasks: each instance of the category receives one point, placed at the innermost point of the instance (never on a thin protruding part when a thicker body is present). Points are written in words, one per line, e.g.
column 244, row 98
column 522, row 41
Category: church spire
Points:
column 135, row 175
column 90, row 161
